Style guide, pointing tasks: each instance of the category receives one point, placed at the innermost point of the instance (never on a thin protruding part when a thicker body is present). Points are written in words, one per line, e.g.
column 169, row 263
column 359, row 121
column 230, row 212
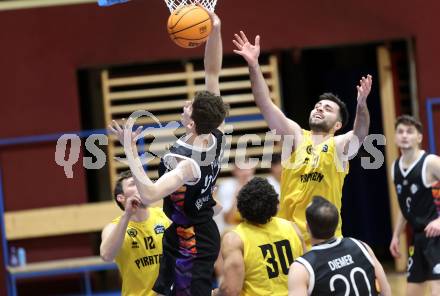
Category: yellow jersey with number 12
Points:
column 311, row 170
column 268, row 252
column 138, row 258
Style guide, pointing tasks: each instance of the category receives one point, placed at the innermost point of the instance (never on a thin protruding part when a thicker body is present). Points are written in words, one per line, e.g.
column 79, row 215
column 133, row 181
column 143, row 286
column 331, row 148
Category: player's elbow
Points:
column 149, row 195
column 106, row 256
column 385, row 288
column 230, row 290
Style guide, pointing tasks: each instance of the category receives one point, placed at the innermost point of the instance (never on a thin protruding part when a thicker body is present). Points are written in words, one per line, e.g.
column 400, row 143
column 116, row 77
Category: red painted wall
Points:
column 41, row 49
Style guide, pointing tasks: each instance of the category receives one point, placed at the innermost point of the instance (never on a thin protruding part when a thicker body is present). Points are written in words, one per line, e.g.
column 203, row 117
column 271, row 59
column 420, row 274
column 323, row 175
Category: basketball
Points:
column 189, row 26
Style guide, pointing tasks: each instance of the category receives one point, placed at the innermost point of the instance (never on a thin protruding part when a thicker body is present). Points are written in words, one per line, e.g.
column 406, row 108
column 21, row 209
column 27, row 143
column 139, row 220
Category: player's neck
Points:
column 201, row 141
column 315, row 241
column 318, row 136
column 141, row 215
column 410, row 155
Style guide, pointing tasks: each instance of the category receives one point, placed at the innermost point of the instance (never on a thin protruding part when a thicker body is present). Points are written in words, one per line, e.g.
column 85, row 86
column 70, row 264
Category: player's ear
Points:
column 419, row 138
column 191, row 125
column 337, row 126
column 120, row 198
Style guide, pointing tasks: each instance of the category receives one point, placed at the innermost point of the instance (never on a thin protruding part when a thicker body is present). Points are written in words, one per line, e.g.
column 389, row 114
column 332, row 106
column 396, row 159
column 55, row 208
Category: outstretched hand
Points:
column 244, row 48
column 364, row 89
column 119, row 131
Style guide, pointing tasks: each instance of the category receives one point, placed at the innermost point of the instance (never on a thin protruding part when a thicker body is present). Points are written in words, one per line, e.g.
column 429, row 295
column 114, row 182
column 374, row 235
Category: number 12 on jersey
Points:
column 282, row 256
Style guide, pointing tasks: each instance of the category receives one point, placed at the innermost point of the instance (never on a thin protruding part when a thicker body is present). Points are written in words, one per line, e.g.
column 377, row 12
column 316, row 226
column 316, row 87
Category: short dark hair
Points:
column 322, row 218
column 343, row 111
column 208, row 112
column 118, row 187
column 409, row 120
column 257, row 201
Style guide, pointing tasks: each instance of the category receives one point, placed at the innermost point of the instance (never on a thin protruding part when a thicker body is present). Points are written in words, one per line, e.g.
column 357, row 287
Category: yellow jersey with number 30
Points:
column 311, row 170
column 268, row 252
column 138, row 258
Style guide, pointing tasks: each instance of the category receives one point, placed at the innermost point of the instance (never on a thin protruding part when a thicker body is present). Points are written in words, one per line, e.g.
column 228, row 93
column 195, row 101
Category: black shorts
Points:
column 187, row 264
column 424, row 259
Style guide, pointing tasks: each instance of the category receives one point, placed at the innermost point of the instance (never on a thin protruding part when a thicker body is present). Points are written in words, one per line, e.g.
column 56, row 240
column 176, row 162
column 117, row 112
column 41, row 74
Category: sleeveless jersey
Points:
column 340, row 267
column 311, row 170
column 268, row 252
column 138, row 258
column 416, row 198
column 192, row 203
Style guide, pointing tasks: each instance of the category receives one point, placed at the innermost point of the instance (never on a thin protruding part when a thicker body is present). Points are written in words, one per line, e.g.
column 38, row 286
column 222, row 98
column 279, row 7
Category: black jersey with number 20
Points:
column 340, row 267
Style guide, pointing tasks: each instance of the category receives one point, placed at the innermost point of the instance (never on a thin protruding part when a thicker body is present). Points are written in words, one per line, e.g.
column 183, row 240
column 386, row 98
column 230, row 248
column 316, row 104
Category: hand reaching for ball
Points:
column 214, row 17
column 248, row 51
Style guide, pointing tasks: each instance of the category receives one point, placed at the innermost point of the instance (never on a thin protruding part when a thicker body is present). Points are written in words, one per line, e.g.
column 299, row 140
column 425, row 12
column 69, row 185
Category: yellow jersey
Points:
column 138, row 258
column 268, row 252
column 311, row 170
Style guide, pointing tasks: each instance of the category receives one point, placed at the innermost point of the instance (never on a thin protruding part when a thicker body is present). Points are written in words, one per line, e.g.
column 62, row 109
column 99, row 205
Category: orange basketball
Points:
column 189, row 26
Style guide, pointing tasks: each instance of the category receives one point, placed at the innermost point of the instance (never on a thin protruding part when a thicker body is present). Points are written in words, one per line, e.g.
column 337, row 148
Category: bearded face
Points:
column 324, row 117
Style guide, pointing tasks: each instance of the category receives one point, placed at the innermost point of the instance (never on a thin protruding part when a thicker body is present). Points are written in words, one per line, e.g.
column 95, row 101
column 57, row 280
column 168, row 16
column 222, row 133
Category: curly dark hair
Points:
column 118, row 187
column 322, row 218
column 343, row 111
column 208, row 112
column 257, row 201
column 409, row 120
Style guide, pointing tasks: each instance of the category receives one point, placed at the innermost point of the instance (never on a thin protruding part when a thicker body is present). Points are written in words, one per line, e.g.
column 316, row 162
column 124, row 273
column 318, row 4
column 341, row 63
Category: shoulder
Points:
column 432, row 160
column 231, row 241
column 347, row 144
column 364, row 247
column 343, row 137
column 107, row 229
column 298, row 267
column 284, row 223
column 299, row 274
column 431, row 170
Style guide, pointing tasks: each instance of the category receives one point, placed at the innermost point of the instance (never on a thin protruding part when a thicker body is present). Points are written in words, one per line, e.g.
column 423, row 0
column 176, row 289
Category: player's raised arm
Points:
column 350, row 142
column 112, row 235
column 273, row 115
column 213, row 56
column 362, row 119
column 150, row 191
